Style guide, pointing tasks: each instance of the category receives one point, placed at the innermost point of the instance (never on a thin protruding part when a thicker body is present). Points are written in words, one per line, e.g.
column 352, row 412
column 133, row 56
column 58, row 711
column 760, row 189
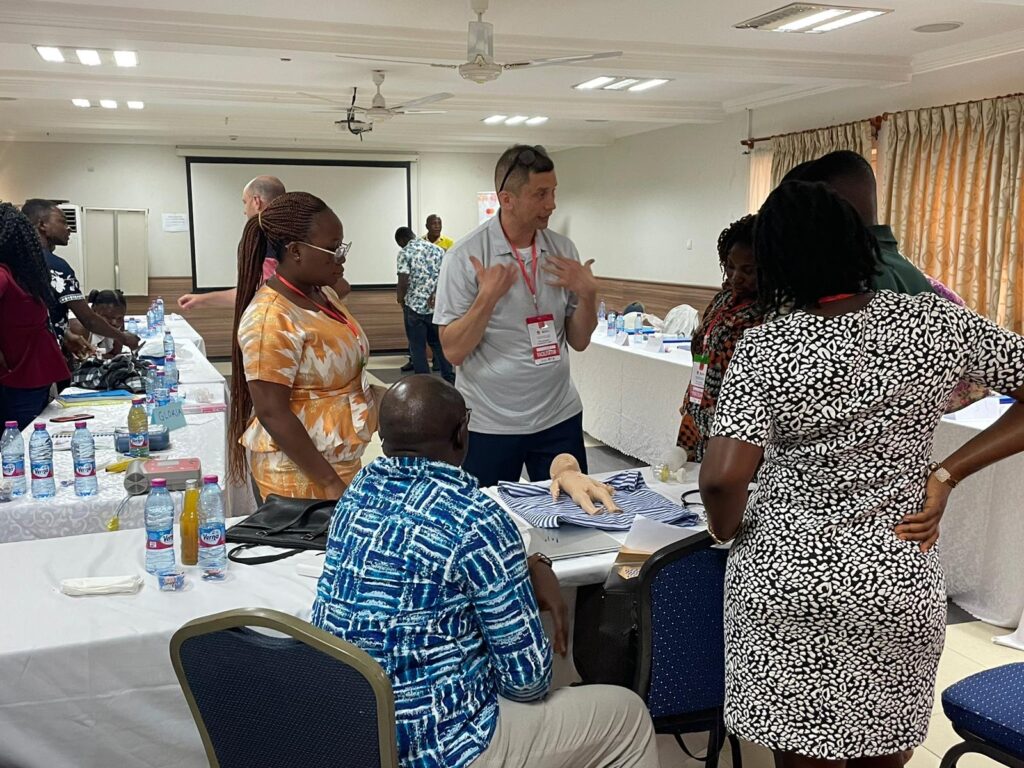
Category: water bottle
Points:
column 160, row 394
column 602, row 313
column 83, row 455
column 159, row 305
column 159, row 528
column 611, row 323
column 12, row 446
column 150, row 321
column 213, row 560
column 171, row 375
column 620, row 324
column 40, row 457
column 150, row 382
column 138, row 429
column 168, row 343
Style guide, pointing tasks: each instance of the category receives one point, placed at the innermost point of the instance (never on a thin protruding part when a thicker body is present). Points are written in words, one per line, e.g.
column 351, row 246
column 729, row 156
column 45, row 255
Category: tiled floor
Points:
column 969, row 647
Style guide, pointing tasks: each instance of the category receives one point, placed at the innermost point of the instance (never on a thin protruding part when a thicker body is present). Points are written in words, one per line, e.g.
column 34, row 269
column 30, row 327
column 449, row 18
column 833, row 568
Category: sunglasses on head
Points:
column 527, row 157
column 338, row 253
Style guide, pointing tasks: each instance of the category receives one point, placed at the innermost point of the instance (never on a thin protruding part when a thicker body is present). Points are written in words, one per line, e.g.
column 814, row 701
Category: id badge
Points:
column 698, row 377
column 543, row 339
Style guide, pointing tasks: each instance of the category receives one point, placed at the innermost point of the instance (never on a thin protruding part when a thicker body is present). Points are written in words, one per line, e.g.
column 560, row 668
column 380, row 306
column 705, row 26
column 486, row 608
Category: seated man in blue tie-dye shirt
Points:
column 428, row 575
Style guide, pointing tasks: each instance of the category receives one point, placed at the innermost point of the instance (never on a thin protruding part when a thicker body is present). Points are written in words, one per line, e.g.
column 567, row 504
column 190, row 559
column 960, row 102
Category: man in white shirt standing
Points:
column 511, row 298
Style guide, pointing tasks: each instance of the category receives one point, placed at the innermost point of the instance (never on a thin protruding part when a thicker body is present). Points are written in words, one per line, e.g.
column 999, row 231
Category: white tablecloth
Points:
column 67, row 514
column 982, row 537
column 631, row 397
column 180, row 330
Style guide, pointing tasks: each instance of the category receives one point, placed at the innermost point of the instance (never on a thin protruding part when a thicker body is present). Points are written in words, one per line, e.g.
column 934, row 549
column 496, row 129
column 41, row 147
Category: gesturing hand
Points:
column 495, row 280
column 571, row 275
column 190, row 301
column 549, row 598
column 924, row 526
column 78, row 346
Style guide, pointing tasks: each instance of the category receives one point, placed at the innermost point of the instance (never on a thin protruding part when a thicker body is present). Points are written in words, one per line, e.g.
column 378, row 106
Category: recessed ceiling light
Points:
column 810, row 21
column 646, row 85
column 126, row 58
column 136, row 104
column 88, row 56
column 811, row 18
column 618, row 85
column 597, row 82
column 942, row 26
column 537, row 120
column 49, row 53
column 495, row 119
column 81, row 102
column 517, row 119
column 108, row 103
column 847, row 20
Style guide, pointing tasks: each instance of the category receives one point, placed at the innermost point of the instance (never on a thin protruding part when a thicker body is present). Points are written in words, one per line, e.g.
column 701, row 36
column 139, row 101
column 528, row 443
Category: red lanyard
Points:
column 718, row 315
column 331, row 313
column 837, row 297
column 531, row 284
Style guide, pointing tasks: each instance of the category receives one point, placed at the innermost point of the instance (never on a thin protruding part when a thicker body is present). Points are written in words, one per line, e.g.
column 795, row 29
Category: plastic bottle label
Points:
column 156, row 540
column 85, row 469
column 14, row 469
column 42, row 470
column 138, row 440
column 211, row 535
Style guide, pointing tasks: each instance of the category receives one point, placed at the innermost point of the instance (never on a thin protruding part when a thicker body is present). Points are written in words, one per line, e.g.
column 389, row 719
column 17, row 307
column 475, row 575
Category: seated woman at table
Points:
column 299, row 358
column 835, row 604
column 112, row 307
column 733, row 309
column 30, row 357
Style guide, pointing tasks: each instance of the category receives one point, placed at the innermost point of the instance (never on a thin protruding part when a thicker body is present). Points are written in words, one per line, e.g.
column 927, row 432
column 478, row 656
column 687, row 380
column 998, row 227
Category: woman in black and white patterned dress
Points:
column 835, row 601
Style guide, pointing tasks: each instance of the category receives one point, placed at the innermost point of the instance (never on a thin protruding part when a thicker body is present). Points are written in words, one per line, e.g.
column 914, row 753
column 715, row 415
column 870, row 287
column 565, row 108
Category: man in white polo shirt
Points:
column 511, row 298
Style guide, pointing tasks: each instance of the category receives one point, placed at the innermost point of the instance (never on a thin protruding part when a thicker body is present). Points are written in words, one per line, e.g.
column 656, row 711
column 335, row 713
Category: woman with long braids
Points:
column 303, row 357
column 835, row 606
column 30, row 358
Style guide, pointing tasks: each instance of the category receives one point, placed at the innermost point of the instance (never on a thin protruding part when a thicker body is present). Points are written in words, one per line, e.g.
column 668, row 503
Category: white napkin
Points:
column 101, row 585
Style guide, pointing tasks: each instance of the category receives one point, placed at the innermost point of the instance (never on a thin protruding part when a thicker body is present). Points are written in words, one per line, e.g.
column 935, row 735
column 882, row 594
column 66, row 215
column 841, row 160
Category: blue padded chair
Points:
column 263, row 701
column 987, row 711
column 680, row 670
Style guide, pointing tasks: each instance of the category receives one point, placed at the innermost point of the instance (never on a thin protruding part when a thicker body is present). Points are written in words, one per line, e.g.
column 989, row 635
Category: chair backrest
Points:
column 681, row 644
column 308, row 699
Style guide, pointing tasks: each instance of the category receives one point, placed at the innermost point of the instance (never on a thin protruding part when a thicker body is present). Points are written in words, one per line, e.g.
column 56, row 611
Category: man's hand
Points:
column 549, row 598
column 191, row 301
column 924, row 526
column 496, row 279
column 78, row 346
column 131, row 341
column 571, row 275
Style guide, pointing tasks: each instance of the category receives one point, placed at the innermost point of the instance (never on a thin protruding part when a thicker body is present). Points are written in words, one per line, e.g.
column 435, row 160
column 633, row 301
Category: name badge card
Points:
column 543, row 339
column 698, row 378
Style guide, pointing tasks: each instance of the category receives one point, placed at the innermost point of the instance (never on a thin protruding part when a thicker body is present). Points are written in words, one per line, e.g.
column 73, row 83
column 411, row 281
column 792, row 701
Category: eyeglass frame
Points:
column 339, row 254
column 533, row 151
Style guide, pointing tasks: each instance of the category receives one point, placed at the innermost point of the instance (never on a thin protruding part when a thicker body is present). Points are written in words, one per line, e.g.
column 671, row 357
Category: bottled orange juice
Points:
column 190, row 524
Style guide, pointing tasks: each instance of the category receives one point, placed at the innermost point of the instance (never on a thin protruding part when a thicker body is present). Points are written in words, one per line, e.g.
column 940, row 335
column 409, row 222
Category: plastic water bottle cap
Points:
column 9, row 424
column 40, row 425
column 138, row 400
column 79, row 425
column 159, row 482
column 209, row 479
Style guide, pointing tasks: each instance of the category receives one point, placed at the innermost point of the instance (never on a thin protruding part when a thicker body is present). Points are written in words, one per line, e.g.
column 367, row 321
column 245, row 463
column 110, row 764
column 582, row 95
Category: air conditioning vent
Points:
column 70, row 216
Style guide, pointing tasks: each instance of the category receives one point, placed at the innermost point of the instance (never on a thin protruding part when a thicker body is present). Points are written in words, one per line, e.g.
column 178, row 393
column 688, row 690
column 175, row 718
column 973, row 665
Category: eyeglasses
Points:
column 339, row 254
column 527, row 157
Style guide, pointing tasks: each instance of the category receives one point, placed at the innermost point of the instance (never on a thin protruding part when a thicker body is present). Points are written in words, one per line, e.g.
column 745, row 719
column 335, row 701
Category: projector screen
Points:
column 372, row 199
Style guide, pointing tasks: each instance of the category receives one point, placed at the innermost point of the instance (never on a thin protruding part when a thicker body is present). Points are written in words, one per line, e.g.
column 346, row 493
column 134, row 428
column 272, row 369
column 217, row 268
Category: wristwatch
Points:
column 942, row 474
column 540, row 558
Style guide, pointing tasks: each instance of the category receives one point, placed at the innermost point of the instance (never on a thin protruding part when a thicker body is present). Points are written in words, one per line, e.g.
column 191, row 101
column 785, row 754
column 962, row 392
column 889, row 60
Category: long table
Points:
column 631, row 396
column 180, row 329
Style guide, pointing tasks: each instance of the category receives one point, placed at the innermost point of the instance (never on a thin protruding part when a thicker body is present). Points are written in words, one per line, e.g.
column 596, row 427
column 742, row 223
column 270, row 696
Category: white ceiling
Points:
column 211, row 69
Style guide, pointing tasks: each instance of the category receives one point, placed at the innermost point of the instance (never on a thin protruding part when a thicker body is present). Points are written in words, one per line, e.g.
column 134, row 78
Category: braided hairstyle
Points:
column 740, row 232
column 108, row 298
column 21, row 252
column 810, row 243
column 287, row 219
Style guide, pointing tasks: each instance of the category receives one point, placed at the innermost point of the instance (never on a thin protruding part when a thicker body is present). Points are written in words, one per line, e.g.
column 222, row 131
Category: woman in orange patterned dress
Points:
column 303, row 357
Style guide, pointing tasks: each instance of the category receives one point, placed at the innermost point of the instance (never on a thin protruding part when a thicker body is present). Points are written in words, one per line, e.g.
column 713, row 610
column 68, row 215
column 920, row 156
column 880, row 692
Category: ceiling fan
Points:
column 378, row 109
column 480, row 66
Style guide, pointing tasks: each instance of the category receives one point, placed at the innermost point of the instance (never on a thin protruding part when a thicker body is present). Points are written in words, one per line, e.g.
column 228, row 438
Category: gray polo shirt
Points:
column 508, row 393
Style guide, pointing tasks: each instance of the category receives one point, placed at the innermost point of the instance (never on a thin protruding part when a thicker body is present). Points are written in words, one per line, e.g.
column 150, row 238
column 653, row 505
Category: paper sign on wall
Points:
column 487, row 205
column 175, row 222
column 171, row 416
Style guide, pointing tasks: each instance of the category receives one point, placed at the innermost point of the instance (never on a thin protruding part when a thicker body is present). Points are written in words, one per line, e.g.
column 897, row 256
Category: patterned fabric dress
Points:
column 833, row 626
column 322, row 362
column 727, row 321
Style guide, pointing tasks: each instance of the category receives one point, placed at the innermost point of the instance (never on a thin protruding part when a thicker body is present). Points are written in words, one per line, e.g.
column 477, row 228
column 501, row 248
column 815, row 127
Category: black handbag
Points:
column 295, row 525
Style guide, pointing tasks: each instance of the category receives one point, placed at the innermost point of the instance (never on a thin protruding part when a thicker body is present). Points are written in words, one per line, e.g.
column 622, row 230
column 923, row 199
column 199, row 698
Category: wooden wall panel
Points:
column 381, row 317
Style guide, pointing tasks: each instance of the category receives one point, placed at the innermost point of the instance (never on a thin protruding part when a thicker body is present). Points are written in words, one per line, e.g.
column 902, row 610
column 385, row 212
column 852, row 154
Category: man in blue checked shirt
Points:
column 428, row 575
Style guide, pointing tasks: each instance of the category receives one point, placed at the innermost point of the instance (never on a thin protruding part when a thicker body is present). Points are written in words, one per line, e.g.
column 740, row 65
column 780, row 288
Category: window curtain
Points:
column 760, row 178
column 790, row 150
column 953, row 193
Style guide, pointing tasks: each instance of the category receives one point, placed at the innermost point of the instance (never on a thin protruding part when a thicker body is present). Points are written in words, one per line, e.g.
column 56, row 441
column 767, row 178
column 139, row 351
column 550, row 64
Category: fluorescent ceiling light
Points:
column 88, row 56
column 136, row 104
column 108, row 103
column 621, row 84
column 495, row 119
column 537, row 120
column 845, row 21
column 646, row 85
column 81, row 102
column 126, row 58
column 517, row 119
column 813, row 20
column 50, row 53
column 597, row 82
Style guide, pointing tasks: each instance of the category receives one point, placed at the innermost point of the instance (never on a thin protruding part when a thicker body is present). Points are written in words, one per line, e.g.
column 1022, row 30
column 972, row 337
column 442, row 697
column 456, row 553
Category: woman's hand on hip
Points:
column 924, row 526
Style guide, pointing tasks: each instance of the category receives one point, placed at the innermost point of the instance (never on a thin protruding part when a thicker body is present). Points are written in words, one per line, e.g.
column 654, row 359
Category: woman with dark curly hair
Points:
column 733, row 309
column 835, row 606
column 30, row 358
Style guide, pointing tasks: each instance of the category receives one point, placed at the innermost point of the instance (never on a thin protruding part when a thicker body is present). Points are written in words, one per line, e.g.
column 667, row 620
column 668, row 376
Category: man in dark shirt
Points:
column 53, row 232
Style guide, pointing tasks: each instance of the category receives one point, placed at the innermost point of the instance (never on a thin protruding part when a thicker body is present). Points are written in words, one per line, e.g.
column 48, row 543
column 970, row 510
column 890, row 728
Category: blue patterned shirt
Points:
column 428, row 575
column 421, row 261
